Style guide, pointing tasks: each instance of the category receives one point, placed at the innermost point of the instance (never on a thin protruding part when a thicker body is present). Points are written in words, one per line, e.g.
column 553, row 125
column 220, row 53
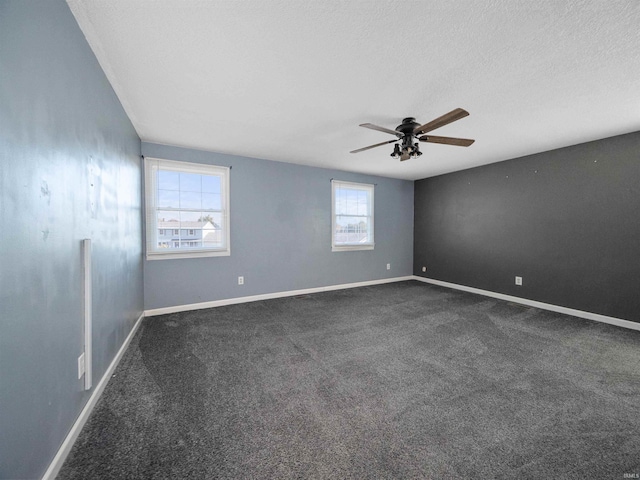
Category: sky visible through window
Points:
column 352, row 216
column 352, row 202
column 189, row 196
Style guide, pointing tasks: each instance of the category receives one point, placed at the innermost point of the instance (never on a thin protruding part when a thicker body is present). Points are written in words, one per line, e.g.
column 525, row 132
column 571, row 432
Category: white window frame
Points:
column 335, row 184
column 151, row 166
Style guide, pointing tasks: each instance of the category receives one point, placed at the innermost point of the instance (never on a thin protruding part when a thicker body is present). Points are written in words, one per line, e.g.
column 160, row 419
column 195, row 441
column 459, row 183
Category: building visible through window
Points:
column 204, row 233
column 187, row 209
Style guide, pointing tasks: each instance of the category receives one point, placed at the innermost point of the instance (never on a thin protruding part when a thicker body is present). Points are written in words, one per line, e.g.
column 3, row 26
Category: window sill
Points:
column 197, row 254
column 350, row 248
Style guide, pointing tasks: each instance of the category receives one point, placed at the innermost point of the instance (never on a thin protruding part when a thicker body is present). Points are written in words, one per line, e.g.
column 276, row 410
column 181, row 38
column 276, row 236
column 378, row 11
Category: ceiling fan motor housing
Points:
column 407, row 126
column 406, row 129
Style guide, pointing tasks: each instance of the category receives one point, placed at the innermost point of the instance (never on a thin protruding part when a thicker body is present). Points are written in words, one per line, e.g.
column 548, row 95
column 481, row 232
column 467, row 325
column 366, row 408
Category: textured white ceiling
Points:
column 290, row 80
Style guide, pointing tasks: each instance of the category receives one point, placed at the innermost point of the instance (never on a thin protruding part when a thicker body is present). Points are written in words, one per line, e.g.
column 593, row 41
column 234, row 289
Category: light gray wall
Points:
column 69, row 169
column 565, row 220
column 281, row 234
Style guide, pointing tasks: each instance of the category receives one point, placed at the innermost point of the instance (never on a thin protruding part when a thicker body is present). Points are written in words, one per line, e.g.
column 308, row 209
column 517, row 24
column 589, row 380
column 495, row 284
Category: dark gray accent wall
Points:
column 281, row 234
column 565, row 220
column 69, row 169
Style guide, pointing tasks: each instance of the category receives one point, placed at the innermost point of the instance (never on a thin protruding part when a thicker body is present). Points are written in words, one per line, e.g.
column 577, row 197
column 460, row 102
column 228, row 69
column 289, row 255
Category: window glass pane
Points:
column 341, row 201
column 168, row 180
column 217, row 220
column 166, row 224
column 351, row 229
column 190, row 182
column 363, row 203
column 190, row 199
column 211, row 201
column 189, row 217
column 168, row 216
column 205, row 217
column 168, row 198
column 213, row 234
column 352, row 202
column 211, row 184
column 342, row 229
column 344, row 197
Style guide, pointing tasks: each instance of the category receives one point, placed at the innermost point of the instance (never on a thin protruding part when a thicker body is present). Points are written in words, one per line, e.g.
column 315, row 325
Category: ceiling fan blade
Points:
column 380, row 129
column 373, row 146
column 445, row 119
column 460, row 142
column 405, row 156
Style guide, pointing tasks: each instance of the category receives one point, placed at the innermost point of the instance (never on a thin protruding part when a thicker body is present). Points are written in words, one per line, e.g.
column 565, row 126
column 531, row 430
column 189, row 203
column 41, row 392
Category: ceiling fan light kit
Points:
column 409, row 130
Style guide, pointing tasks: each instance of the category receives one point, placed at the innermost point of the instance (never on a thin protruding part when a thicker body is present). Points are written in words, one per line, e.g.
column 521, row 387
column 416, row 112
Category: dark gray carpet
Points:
column 403, row 380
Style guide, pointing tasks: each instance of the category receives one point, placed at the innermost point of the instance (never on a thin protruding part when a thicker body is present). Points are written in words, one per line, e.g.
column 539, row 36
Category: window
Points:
column 351, row 216
column 190, row 201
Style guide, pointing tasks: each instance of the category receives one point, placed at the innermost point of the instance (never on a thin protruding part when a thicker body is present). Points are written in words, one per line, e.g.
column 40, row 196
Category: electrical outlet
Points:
column 240, row 280
column 518, row 280
column 424, row 269
column 388, row 266
column 81, row 366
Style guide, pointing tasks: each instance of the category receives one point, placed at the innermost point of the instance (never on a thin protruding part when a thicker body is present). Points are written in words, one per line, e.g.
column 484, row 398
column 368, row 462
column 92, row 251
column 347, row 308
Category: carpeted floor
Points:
column 404, row 380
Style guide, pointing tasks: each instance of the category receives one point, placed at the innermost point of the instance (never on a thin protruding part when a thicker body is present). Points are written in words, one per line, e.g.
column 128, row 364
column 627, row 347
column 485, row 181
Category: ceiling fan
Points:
column 409, row 130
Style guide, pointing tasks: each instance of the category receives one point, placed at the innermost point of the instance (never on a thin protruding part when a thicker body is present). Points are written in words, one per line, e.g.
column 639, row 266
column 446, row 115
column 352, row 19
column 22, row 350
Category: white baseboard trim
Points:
column 65, row 448
column 269, row 296
column 619, row 322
